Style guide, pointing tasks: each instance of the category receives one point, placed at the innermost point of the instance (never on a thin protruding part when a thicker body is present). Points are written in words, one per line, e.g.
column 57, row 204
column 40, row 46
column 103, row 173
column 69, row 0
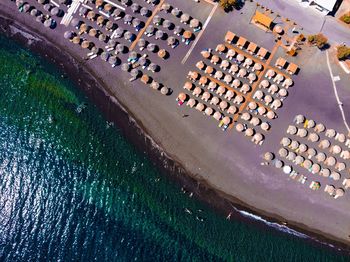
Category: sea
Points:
column 72, row 188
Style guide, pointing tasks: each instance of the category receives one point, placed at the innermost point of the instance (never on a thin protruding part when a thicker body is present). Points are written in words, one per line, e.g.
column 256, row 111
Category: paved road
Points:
column 308, row 18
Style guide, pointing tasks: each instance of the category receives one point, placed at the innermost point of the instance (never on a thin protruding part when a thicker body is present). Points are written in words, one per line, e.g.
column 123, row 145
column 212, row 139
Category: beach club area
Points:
column 238, row 99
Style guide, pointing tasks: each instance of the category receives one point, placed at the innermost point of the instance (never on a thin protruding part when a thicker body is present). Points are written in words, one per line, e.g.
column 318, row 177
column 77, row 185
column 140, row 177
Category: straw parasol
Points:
column 261, row 110
column 68, row 35
column 226, row 120
column 155, row 85
column 215, row 59
column 292, row 130
column 330, row 133
column 302, row 132
column 239, row 127
column 264, row 83
column 164, row 90
column 268, row 99
column 325, row 172
column 339, row 193
column 252, row 105
column 340, row 137
column 85, row 44
column 200, row 107
column 240, row 57
column 223, row 105
column 258, row 137
column 220, row 48
column 265, row 126
column 335, row 176
column 255, row 121
column 249, row 132
column 234, row 68
column 215, row 100
column 299, row 160
column 270, row 73
column 203, row 80
column 125, row 67
column 231, row 53
column 144, row 11
column 212, row 85
column 311, row 152
column 236, row 83
column 191, row 102
column 162, row 53
column 239, row 99
column 217, row 115
column 286, row 141
column 313, row 137
column 258, row 94
column 167, row 24
column 197, row 91
column 330, row 161
column 195, row 23
column 218, row 74
column 279, row 163
column 268, row 156
column 246, row 116
column 221, row 90
column 135, row 7
column 315, row 169
column 257, row 66
column 206, row 54
column 232, row 110
column 209, row 111
column 330, row 189
column 228, row 79
column 307, row 164
column 76, row 40
column 294, row 145
column 283, row 152
column 320, row 157
column 291, row 156
column 187, row 34
column 302, row 148
column 335, row 149
column 171, row 40
column 324, row 144
column 273, row 89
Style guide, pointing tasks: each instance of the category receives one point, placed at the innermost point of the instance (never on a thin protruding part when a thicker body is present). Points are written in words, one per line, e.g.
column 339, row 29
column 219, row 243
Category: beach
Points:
column 226, row 163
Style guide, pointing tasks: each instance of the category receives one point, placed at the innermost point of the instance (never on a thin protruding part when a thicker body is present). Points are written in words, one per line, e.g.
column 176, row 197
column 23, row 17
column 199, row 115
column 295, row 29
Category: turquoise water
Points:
column 73, row 189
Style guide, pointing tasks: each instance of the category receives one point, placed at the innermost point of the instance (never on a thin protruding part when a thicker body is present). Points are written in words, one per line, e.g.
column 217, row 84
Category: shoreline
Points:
column 142, row 141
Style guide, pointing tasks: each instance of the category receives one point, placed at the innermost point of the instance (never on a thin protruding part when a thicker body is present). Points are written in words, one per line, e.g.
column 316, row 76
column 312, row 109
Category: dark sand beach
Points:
column 219, row 167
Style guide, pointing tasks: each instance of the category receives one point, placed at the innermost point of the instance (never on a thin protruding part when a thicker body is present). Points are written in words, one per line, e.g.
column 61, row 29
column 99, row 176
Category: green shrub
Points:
column 343, row 52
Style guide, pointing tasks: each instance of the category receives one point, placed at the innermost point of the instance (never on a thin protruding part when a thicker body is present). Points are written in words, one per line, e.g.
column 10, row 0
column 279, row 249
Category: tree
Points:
column 345, row 18
column 343, row 52
column 318, row 40
column 228, row 5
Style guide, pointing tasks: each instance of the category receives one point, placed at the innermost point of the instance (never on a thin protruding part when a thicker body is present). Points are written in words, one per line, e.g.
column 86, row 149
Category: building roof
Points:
column 327, row 4
column 262, row 19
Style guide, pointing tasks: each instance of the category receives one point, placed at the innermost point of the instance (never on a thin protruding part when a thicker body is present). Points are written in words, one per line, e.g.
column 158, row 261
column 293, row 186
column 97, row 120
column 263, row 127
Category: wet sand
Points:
column 233, row 175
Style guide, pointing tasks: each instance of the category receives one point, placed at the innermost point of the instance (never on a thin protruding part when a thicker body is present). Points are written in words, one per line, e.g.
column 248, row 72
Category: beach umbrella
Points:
column 171, row 40
column 134, row 72
column 39, row 1
column 311, row 124
column 249, row 132
column 182, row 96
column 128, row 18
column 102, row 37
column 313, row 137
column 320, row 157
column 276, row 103
column 144, row 11
column 324, row 144
column 145, row 79
column 252, row 105
column 112, row 43
column 330, row 133
column 268, row 156
column 252, row 77
column 209, row 70
column 92, row 32
column 294, row 145
column 117, row 13
column 75, row 22
column 212, row 85
column 155, row 85
column 228, row 79
column 279, row 163
column 287, row 169
column 68, row 35
column 223, row 105
column 195, row 23
column 283, row 152
column 286, row 141
column 292, row 130
column 48, row 22
column 307, row 164
column 206, row 96
column 200, row 65
column 226, row 120
column 335, row 149
column 302, row 132
column 240, row 57
column 291, row 156
column 83, row 28
column 330, row 189
column 236, row 83
column 283, row 92
column 152, row 47
column 340, row 137
column 346, row 183
column 218, row 74
column 345, row 154
column 273, row 89
column 215, row 59
column 34, row 12
column 279, row 78
column 150, row 29
column 287, row 83
column 136, row 22
column 26, row 8
column 112, row 60
column 187, row 34
column 239, row 127
column 206, row 54
column 246, row 116
column 76, row 40
column 191, row 102
column 315, row 169
column 141, row 43
column 55, row 11
column 330, row 161
column 200, row 107
column 128, row 35
column 245, row 88
column 159, row 34
column 188, row 85
column 185, row 18
column 242, row 72
column 125, row 67
column 85, row 44
column 215, row 100
column 325, row 172
column 265, row 126
column 95, row 50
column 257, row 66
column 100, row 20
column 153, row 67
column 47, row 7
column 107, row 8
column 258, row 94
column 83, row 10
column 164, row 90
column 208, row 111
column 176, row 12
column 248, row 62
column 98, row 3
column 105, row 56
column 203, row 80
column 225, row 64
column 299, row 160
column 135, row 7
column 264, row 83
column 232, row 110
column 339, row 193
column 91, row 15
column 197, row 91
column 143, row 61
column 120, row 48
column 109, row 25
column 166, row 7
column 157, row 19
column 311, row 152
column 125, row 2
column 238, row 99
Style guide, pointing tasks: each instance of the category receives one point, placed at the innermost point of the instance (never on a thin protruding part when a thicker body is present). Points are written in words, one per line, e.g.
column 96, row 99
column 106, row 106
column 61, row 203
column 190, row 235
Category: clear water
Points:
column 73, row 189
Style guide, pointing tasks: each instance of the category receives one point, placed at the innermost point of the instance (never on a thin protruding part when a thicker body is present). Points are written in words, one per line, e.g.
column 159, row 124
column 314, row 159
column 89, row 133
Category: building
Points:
column 324, row 6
